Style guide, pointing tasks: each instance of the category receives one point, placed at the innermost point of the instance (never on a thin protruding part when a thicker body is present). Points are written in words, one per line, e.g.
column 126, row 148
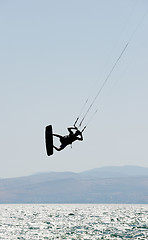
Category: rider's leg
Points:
column 57, row 135
column 58, row 149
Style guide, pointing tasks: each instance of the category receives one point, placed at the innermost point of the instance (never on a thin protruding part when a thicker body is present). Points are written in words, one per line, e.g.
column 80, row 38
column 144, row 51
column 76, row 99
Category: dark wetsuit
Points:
column 69, row 139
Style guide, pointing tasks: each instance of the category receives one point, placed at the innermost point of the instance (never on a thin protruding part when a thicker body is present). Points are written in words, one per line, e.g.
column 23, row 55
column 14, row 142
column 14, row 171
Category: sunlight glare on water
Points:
column 69, row 221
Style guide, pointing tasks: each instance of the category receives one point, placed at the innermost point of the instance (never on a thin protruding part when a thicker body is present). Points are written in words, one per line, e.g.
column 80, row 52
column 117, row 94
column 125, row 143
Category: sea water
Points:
column 84, row 221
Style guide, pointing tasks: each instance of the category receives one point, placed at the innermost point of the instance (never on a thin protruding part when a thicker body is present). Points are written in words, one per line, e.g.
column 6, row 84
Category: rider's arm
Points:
column 80, row 138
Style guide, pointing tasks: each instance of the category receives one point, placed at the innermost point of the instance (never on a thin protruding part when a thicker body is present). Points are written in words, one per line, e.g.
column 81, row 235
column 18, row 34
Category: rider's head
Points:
column 77, row 133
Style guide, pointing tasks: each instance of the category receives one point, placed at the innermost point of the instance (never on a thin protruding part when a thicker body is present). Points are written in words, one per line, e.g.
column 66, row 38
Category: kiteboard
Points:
column 49, row 140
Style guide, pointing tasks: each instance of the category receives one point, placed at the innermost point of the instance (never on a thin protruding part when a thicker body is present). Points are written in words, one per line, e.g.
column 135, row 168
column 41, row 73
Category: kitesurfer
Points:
column 69, row 139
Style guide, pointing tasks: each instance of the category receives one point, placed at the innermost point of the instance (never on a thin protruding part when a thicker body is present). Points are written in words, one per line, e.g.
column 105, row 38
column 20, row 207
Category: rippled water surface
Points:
column 73, row 222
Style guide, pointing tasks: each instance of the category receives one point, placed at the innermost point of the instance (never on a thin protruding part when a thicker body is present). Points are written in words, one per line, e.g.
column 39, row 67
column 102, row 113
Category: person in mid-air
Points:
column 69, row 139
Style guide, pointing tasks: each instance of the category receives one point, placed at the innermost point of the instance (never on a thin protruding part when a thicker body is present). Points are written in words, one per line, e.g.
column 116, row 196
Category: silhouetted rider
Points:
column 69, row 139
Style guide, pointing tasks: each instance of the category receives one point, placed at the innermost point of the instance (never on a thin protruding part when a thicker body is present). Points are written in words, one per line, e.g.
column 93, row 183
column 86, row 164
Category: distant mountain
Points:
column 127, row 184
column 116, row 171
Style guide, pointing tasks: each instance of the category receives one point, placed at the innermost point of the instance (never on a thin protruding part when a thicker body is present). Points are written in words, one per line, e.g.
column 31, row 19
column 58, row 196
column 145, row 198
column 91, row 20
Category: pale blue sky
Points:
column 53, row 55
